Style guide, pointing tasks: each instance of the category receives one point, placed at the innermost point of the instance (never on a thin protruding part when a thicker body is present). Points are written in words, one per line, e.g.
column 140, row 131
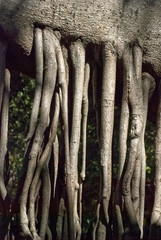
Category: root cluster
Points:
column 53, row 184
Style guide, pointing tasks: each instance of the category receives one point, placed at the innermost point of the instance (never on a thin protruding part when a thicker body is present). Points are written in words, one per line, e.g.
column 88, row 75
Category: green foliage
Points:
column 150, row 149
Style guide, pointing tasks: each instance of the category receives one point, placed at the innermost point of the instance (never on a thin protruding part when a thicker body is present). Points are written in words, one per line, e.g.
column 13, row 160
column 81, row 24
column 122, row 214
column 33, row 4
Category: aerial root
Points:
column 56, row 160
column 4, row 112
column 78, row 63
column 132, row 61
column 46, row 194
column 44, row 132
column 61, row 215
column 148, row 89
column 101, row 232
column 4, row 131
column 39, row 81
column 52, row 82
column 50, row 72
column 43, row 159
column 123, row 134
column 107, row 121
column 84, row 134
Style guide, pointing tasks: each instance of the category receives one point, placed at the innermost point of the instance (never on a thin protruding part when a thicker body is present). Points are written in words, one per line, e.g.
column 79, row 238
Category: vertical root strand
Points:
column 39, row 81
column 107, row 121
column 84, row 134
column 47, row 94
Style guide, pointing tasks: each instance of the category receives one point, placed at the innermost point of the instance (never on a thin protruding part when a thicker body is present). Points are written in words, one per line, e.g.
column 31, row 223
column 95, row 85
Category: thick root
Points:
column 107, row 121
column 133, row 68
column 78, row 61
column 39, row 81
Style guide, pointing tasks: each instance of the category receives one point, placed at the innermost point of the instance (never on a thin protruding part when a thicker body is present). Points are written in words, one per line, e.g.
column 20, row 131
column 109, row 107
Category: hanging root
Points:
column 63, row 85
column 135, row 185
column 5, row 201
column 4, row 132
column 46, row 194
column 107, row 120
column 78, row 62
column 56, row 160
column 101, row 232
column 133, row 70
column 84, row 133
column 47, row 94
column 123, row 133
column 44, row 158
column 39, row 81
column 148, row 89
column 61, row 215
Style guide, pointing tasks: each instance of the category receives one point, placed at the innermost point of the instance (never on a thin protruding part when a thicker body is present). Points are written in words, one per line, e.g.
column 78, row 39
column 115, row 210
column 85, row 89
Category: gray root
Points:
column 95, row 224
column 148, row 89
column 107, row 121
column 63, row 89
column 123, row 133
column 65, row 57
column 43, row 159
column 56, row 160
column 78, row 61
column 135, row 185
column 59, row 224
column 39, row 81
column 4, row 131
column 85, row 115
column 101, row 232
column 48, row 233
column 133, row 71
column 46, row 195
column 84, row 134
column 48, row 89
